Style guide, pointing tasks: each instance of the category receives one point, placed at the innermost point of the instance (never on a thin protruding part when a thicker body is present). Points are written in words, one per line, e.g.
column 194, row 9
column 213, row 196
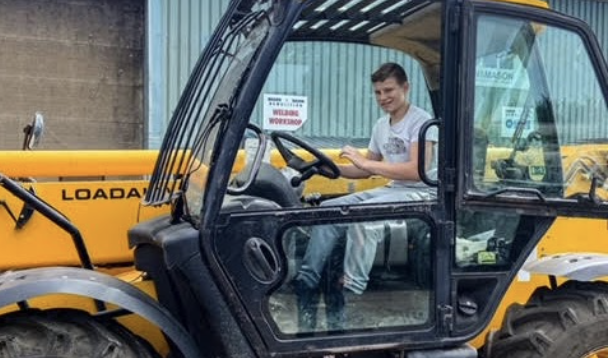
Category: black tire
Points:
column 65, row 333
column 568, row 322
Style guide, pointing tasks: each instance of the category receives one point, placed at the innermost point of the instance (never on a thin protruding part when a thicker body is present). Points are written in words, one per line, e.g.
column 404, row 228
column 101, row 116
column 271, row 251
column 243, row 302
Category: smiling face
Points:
column 392, row 97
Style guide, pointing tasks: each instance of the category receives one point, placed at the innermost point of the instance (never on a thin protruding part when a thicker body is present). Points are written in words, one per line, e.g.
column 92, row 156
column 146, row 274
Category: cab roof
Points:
column 355, row 20
column 349, row 20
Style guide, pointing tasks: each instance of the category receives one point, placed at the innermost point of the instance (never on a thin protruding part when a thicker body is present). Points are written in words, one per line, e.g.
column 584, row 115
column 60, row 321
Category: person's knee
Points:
column 415, row 195
column 332, row 202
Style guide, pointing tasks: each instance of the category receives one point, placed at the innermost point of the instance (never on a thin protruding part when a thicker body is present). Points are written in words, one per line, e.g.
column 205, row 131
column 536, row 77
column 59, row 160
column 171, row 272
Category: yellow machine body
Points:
column 101, row 193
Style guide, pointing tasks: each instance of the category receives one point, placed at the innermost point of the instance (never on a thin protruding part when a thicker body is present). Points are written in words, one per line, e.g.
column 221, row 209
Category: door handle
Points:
column 260, row 260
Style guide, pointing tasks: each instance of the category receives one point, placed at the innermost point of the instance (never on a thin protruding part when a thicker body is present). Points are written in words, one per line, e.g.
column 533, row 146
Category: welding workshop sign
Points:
column 284, row 112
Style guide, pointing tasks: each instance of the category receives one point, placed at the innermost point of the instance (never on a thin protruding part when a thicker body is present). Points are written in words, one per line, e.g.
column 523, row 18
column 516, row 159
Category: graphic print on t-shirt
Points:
column 395, row 146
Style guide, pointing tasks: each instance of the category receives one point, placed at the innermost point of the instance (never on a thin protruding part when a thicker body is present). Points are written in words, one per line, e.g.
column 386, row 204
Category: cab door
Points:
column 535, row 123
column 531, row 141
column 261, row 239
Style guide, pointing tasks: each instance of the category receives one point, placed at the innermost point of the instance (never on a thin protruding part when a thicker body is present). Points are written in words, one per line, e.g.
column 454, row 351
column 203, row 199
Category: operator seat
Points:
column 269, row 184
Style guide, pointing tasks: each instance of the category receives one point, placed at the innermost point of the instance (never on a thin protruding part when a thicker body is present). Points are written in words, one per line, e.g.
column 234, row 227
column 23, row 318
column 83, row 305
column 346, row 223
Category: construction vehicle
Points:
column 512, row 158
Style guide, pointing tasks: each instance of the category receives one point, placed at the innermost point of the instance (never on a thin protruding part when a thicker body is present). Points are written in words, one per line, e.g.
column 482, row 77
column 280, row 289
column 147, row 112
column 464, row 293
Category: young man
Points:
column 393, row 154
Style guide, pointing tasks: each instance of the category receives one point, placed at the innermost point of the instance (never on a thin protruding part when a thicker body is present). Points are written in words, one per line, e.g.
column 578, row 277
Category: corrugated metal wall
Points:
column 177, row 33
column 580, row 103
column 593, row 12
column 179, row 29
column 346, row 98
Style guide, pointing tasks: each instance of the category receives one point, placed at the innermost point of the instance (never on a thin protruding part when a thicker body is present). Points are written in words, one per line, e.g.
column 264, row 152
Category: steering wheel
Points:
column 321, row 164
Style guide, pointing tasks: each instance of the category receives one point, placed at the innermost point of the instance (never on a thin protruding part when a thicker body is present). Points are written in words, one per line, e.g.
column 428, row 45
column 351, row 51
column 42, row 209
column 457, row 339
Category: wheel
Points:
column 568, row 322
column 322, row 164
column 67, row 334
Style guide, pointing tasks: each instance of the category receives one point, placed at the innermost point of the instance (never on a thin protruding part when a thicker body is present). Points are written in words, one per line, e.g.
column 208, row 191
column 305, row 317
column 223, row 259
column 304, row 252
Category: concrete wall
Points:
column 79, row 62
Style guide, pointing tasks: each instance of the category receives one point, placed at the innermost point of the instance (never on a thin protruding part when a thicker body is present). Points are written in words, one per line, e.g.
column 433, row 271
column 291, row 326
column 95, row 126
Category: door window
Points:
column 387, row 262
column 540, row 118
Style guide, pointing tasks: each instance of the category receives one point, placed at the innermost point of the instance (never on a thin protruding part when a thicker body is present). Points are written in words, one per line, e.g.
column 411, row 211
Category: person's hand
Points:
column 354, row 156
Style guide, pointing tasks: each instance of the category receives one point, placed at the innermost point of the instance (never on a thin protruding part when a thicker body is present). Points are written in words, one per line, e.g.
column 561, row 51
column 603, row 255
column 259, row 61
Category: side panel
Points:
column 103, row 211
column 99, row 191
column 527, row 153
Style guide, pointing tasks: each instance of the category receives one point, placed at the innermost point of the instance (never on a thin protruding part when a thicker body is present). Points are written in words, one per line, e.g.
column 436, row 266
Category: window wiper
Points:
column 514, row 190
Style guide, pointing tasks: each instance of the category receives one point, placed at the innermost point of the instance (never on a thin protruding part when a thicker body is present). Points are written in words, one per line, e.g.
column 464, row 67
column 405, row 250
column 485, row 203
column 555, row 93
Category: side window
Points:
column 379, row 277
column 539, row 112
column 487, row 239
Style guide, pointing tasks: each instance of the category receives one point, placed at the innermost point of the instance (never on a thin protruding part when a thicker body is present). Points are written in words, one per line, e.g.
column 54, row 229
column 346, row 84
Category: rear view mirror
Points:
column 33, row 132
column 255, row 149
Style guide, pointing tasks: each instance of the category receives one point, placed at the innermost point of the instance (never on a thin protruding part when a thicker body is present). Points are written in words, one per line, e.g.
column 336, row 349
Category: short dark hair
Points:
column 389, row 70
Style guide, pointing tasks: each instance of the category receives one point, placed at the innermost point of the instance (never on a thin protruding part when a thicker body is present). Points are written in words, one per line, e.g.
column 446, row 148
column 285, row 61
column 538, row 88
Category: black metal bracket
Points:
column 37, row 204
column 8, row 210
column 24, row 215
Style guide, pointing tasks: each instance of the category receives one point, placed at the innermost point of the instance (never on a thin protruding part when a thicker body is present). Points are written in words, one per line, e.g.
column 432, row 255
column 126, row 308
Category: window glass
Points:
column 322, row 91
column 539, row 113
column 391, row 269
column 486, row 239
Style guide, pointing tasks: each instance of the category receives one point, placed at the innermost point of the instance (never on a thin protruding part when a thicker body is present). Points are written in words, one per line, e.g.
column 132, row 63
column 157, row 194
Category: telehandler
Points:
column 214, row 275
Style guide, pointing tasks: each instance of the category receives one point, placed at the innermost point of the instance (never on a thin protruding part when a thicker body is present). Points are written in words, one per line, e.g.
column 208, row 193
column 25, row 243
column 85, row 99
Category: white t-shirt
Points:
column 394, row 142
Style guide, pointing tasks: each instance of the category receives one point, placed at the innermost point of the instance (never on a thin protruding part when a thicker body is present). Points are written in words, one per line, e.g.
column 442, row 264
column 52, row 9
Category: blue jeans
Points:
column 361, row 240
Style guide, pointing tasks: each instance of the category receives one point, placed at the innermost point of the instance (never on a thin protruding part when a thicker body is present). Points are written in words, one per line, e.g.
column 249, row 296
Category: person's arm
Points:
column 394, row 171
column 352, row 171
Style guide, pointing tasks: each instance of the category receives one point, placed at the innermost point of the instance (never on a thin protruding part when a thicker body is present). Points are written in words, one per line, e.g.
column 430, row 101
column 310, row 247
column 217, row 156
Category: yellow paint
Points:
column 82, row 163
column 103, row 223
column 534, row 3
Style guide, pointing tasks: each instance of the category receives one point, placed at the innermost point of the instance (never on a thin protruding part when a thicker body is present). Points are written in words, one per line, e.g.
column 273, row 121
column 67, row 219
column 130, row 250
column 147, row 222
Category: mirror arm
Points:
column 27, row 130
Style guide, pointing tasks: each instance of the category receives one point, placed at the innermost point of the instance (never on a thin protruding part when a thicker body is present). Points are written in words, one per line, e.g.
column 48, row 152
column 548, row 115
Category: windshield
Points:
column 206, row 103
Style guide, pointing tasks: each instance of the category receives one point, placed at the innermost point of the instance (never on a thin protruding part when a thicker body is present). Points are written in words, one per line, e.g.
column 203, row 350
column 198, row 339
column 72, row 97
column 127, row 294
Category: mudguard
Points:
column 16, row 286
column 576, row 266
